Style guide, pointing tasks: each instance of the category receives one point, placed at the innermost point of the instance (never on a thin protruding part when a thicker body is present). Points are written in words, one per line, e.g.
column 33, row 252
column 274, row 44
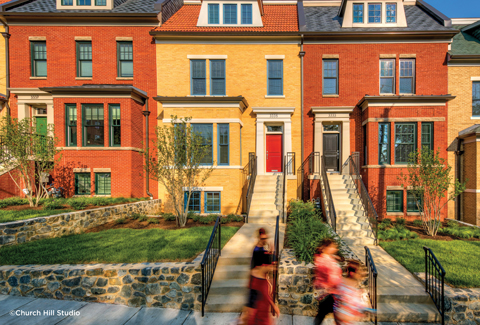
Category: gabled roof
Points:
column 277, row 18
column 467, row 42
column 50, row 6
column 326, row 19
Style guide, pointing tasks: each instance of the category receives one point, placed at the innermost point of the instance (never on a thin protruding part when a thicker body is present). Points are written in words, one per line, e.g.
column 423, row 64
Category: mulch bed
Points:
column 163, row 224
column 440, row 236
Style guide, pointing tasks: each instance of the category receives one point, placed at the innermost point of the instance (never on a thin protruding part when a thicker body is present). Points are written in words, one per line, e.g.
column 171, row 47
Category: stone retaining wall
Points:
column 462, row 306
column 17, row 232
column 171, row 285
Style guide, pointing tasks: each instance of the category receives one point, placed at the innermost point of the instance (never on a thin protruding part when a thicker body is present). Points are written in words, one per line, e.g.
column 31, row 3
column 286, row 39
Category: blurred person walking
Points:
column 328, row 275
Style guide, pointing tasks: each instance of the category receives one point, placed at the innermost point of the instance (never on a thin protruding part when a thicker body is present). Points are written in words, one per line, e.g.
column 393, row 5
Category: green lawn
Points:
column 459, row 258
column 115, row 246
column 12, row 215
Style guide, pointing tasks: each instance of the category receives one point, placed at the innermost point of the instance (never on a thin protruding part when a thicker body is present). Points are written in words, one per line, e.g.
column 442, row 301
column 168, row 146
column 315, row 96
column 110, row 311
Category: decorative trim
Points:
column 393, row 214
column 210, row 57
column 394, row 188
column 102, row 170
column 124, row 78
column 414, row 213
column 206, row 188
column 332, row 3
column 332, row 109
column 472, row 191
column 408, row 56
column 403, row 119
column 81, row 170
column 83, row 78
column 464, row 21
column 385, row 166
column 38, row 78
column 388, row 56
column 100, row 148
column 281, row 110
column 377, row 42
column 330, row 56
column 83, row 38
column 274, row 57
column 119, row 38
column 475, row 78
column 330, row 96
column 37, row 38
column 275, row 97
column 209, row 120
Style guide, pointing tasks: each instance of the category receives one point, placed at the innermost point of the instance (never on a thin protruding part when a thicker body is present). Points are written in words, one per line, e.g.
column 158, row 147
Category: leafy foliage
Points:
column 11, row 201
column 400, row 221
column 154, row 221
column 305, row 230
column 53, row 204
column 78, row 204
column 454, row 229
column 417, row 223
column 28, row 156
column 176, row 163
column 169, row 217
column 121, row 220
column 430, row 181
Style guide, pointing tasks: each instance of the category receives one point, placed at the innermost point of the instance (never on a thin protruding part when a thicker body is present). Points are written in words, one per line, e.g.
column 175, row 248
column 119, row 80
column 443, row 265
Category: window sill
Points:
column 124, row 78
column 273, row 97
column 414, row 214
column 38, row 78
column 393, row 214
column 83, row 78
column 475, row 118
column 330, row 96
column 109, row 195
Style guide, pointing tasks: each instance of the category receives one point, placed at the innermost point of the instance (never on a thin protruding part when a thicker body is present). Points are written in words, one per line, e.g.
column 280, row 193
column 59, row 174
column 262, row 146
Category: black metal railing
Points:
column 435, row 281
column 372, row 281
column 350, row 167
column 252, row 176
column 329, row 206
column 284, row 190
column 209, row 261
column 290, row 163
column 276, row 258
column 314, row 164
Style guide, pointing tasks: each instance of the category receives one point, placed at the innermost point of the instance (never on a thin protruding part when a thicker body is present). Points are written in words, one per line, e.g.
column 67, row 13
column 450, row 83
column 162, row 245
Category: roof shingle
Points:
column 277, row 18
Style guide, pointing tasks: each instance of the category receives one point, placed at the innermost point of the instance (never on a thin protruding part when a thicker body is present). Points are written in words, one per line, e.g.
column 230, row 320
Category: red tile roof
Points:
column 277, row 18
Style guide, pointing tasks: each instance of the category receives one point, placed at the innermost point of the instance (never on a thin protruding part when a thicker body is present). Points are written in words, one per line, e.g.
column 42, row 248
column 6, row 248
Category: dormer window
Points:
column 374, row 12
column 230, row 14
column 67, row 2
column 246, row 14
column 84, row 2
column 358, row 12
column 391, row 12
column 100, row 2
column 213, row 13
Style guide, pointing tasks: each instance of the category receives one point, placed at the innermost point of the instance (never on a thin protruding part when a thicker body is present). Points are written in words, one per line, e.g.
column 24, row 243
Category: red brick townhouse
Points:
column 375, row 82
column 88, row 67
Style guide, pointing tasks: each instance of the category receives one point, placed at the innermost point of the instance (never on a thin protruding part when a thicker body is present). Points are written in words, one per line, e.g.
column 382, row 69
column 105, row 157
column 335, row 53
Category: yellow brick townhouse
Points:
column 464, row 118
column 234, row 68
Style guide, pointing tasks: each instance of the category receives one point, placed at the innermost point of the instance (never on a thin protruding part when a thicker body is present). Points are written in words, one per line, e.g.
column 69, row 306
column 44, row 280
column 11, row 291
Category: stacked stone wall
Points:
column 17, row 232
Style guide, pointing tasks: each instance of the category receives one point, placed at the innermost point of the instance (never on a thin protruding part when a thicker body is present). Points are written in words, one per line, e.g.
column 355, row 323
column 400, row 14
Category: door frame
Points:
column 265, row 141
column 339, row 146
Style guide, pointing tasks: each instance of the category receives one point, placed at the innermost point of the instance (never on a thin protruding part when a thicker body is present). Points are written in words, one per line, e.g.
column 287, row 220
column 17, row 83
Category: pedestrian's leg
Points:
column 325, row 307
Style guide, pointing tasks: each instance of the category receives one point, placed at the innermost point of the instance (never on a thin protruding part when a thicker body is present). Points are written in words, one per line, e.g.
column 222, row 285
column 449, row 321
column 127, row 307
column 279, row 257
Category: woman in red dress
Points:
column 261, row 314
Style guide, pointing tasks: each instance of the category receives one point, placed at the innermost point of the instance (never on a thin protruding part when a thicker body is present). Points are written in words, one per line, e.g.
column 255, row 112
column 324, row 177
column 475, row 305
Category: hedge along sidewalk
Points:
column 17, row 232
column 172, row 285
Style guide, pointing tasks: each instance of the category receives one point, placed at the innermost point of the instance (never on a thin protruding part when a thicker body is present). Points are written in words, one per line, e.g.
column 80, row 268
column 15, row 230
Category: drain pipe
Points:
column 458, row 171
column 6, row 35
column 302, row 54
column 146, row 113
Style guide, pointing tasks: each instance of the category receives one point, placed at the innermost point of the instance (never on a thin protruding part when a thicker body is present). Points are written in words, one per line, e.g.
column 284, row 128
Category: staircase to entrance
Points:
column 400, row 296
column 267, row 199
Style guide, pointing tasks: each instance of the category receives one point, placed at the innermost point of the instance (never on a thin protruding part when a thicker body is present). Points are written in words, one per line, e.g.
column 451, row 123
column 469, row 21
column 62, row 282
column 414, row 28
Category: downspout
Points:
column 146, row 113
column 302, row 54
column 458, row 171
column 6, row 35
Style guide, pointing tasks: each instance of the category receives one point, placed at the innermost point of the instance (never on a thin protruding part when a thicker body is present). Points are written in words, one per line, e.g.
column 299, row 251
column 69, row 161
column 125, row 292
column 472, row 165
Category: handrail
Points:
column 368, row 208
column 434, row 273
column 314, row 163
column 209, row 261
column 276, row 259
column 284, row 187
column 290, row 163
column 251, row 183
column 372, row 280
column 330, row 212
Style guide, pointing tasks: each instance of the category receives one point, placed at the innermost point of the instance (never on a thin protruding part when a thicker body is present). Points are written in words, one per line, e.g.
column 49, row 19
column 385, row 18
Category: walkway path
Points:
column 107, row 314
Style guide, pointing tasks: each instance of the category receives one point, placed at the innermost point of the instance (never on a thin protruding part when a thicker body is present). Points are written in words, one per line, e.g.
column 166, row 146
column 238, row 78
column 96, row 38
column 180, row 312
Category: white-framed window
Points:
column 407, row 76
column 391, row 13
column 387, row 76
column 374, row 13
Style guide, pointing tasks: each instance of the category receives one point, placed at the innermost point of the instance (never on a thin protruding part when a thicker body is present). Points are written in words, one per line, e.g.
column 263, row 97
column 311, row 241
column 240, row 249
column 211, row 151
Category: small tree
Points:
column 429, row 181
column 28, row 156
column 178, row 163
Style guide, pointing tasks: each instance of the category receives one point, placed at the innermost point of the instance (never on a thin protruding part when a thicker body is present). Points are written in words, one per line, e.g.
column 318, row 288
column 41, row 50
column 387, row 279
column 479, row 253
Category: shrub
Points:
column 400, row 221
column 224, row 220
column 399, row 232
column 382, row 226
column 100, row 201
column 208, row 219
column 12, row 201
column 235, row 218
column 52, row 205
column 196, row 217
column 452, row 224
column 154, row 221
column 77, row 204
column 387, row 221
column 302, row 210
column 121, row 220
column 135, row 216
column 399, row 226
column 304, row 236
column 143, row 218
column 169, row 217
column 417, row 223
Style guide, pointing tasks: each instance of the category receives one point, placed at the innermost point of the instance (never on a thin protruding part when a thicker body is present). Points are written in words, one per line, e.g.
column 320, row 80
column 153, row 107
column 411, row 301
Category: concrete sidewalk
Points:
column 18, row 311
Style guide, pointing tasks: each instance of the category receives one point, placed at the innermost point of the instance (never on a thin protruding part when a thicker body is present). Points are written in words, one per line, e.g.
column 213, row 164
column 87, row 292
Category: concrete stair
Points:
column 267, row 199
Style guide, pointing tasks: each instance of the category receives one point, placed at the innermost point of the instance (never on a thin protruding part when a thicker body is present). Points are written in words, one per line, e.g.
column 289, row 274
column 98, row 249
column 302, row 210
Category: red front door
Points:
column 274, row 153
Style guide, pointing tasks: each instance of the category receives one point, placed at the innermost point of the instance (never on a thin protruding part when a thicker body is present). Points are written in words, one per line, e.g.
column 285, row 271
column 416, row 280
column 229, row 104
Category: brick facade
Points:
column 359, row 73
column 125, row 162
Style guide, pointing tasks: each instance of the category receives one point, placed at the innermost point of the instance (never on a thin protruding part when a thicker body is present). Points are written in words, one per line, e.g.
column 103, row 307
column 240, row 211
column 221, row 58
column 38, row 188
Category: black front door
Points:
column 331, row 151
